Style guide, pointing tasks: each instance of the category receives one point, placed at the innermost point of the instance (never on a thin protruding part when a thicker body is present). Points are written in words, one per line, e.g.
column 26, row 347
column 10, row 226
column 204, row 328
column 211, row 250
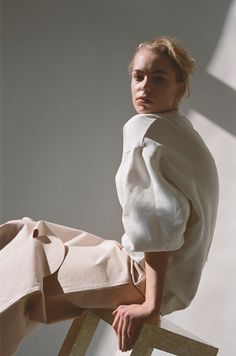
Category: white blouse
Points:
column 167, row 185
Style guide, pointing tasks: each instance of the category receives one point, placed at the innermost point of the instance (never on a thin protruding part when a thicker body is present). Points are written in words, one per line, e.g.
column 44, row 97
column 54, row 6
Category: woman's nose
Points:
column 145, row 85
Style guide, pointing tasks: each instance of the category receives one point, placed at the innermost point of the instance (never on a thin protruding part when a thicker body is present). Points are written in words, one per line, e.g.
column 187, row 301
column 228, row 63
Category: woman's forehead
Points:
column 147, row 60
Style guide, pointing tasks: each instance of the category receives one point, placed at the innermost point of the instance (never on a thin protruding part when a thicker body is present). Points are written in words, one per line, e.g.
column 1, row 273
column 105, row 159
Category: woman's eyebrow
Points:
column 159, row 71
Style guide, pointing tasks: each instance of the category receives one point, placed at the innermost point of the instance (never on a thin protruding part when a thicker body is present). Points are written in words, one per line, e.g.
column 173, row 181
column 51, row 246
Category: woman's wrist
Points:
column 152, row 308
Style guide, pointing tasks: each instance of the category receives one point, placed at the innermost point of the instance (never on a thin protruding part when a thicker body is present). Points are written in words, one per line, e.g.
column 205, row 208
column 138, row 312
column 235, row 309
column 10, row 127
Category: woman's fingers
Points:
column 117, row 314
column 130, row 328
column 119, row 332
column 124, row 335
column 120, row 325
column 126, row 325
column 115, row 311
column 115, row 322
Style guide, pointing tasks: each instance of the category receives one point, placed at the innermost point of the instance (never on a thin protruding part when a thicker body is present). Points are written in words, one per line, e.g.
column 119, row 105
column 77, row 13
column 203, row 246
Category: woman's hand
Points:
column 130, row 318
column 128, row 322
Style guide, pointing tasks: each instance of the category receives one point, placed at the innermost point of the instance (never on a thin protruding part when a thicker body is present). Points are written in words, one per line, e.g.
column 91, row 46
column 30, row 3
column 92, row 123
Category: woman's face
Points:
column 153, row 85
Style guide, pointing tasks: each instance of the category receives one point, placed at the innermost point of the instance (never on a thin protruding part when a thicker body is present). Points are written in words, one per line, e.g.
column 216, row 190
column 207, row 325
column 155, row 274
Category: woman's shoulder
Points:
column 135, row 130
column 140, row 122
column 141, row 125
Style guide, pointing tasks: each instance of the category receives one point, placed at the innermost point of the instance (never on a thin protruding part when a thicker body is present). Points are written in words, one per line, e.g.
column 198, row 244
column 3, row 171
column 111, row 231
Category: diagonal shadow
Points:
column 215, row 100
column 212, row 97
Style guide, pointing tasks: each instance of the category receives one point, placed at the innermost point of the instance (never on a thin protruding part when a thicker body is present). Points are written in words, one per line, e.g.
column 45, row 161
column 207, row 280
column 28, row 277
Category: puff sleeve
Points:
column 155, row 212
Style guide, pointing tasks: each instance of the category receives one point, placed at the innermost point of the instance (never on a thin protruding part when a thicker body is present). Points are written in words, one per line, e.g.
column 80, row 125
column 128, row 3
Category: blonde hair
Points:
column 175, row 52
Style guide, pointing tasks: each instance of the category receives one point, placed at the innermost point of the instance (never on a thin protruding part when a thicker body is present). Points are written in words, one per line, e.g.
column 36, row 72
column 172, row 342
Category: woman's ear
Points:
column 181, row 90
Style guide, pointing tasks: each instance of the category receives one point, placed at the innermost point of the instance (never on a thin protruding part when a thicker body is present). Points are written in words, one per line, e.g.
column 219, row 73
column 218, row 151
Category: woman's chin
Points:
column 144, row 110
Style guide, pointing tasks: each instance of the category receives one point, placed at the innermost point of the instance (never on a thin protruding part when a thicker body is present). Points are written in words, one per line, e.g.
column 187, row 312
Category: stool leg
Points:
column 141, row 350
column 79, row 336
column 142, row 346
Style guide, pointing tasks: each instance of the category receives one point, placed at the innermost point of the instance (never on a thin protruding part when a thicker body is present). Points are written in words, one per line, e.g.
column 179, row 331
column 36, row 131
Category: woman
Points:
column 168, row 188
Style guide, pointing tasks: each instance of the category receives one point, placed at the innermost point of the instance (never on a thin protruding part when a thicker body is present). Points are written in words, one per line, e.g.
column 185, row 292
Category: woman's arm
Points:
column 156, row 266
column 130, row 318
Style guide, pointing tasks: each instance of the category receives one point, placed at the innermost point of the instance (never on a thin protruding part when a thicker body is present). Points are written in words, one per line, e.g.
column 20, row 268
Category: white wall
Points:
column 65, row 98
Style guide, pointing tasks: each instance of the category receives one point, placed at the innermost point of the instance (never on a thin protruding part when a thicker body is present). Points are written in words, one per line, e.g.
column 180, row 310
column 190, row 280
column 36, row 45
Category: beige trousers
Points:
column 50, row 272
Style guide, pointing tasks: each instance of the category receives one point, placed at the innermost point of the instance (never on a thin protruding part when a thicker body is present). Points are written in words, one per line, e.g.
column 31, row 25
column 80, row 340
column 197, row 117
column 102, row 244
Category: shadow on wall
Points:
column 214, row 95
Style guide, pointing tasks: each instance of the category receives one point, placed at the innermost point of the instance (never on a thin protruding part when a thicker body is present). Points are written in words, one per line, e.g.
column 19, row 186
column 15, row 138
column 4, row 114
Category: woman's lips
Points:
column 143, row 99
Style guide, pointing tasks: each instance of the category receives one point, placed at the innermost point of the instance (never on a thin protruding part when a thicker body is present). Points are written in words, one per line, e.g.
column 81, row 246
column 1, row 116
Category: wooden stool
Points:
column 166, row 337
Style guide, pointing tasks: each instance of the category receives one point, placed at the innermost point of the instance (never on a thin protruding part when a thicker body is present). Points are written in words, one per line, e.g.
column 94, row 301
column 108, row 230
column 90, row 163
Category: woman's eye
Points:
column 158, row 79
column 138, row 77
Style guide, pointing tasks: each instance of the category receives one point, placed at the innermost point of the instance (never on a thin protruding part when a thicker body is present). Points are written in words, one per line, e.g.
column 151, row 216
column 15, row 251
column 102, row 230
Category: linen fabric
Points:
column 51, row 272
column 167, row 185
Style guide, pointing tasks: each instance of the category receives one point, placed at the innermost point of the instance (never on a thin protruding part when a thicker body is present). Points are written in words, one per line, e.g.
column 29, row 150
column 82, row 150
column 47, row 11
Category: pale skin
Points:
column 154, row 89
